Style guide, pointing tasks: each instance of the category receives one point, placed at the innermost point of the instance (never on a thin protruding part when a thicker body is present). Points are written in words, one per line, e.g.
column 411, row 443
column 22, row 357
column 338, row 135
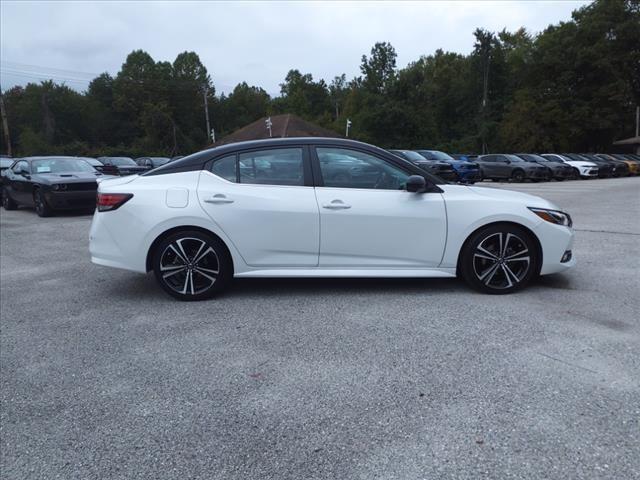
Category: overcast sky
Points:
column 256, row 42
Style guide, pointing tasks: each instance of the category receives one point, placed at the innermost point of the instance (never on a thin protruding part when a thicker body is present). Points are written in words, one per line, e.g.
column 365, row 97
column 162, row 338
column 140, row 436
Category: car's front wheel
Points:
column 42, row 209
column 7, row 201
column 499, row 259
column 192, row 265
column 517, row 175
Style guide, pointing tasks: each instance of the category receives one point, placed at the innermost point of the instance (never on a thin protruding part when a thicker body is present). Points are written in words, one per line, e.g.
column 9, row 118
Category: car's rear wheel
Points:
column 42, row 209
column 7, row 201
column 499, row 259
column 192, row 265
column 575, row 174
column 517, row 176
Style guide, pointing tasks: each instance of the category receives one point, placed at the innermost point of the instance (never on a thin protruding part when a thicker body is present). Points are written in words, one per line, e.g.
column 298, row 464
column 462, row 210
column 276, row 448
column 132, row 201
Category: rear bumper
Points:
column 71, row 200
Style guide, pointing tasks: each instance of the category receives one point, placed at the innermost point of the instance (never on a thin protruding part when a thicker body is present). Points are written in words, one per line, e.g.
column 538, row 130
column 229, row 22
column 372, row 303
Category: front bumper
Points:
column 536, row 174
column 61, row 200
column 555, row 240
column 468, row 175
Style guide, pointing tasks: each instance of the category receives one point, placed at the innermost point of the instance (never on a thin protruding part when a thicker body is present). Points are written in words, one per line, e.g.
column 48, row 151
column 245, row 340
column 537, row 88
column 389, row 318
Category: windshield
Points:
column 534, row 158
column 436, row 155
column 157, row 161
column 514, row 158
column 61, row 165
column 413, row 156
column 120, row 161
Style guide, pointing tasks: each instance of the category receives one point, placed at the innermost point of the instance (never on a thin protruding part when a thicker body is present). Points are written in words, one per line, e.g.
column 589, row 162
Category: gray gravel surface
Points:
column 104, row 376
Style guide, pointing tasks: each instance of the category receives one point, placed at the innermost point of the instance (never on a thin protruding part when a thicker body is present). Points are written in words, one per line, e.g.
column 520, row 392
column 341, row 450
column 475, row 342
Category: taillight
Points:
column 106, row 202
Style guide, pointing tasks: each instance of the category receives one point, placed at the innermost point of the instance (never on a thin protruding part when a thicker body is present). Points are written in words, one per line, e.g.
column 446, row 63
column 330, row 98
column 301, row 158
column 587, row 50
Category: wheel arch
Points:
column 531, row 233
column 171, row 231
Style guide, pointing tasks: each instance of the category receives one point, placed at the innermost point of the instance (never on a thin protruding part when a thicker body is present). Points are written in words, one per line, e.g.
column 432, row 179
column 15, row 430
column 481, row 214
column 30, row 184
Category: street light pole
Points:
column 346, row 133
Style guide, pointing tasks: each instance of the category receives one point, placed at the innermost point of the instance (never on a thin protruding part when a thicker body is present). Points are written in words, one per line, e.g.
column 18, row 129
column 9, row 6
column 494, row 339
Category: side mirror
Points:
column 507, row 161
column 416, row 183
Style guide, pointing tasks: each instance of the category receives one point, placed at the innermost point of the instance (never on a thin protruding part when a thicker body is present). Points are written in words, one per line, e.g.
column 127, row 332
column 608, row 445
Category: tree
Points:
column 380, row 68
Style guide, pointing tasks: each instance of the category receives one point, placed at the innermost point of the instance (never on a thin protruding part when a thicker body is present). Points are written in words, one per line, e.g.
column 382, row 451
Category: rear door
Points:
column 265, row 203
column 369, row 221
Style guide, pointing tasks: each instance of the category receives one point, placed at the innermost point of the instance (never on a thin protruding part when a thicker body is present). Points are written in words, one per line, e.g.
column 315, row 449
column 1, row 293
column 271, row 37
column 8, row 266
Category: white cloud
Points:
column 257, row 42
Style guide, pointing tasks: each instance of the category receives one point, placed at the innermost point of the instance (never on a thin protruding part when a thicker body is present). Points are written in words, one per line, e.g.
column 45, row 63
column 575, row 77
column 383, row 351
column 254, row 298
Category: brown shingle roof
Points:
column 282, row 126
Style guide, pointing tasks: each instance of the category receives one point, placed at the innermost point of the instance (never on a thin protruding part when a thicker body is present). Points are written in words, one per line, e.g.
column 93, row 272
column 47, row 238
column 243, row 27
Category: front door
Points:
column 264, row 202
column 369, row 220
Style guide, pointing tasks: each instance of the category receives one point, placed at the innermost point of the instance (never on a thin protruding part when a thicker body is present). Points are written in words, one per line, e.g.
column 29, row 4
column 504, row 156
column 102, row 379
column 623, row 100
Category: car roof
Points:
column 186, row 163
column 198, row 160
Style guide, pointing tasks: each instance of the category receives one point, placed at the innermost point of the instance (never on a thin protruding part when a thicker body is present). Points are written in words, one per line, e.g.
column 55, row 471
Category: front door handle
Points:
column 218, row 198
column 336, row 205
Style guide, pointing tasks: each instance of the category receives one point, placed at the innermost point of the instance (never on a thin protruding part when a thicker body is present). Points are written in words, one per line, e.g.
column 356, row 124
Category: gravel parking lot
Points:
column 104, row 376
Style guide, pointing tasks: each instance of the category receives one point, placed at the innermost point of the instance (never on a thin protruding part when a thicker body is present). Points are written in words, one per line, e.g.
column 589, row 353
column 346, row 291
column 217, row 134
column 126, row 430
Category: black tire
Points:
column 208, row 267
column 7, row 201
column 575, row 174
column 42, row 208
column 517, row 175
column 487, row 269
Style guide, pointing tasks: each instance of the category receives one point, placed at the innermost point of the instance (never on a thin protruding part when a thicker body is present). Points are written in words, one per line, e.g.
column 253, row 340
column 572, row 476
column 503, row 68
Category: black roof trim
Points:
column 198, row 160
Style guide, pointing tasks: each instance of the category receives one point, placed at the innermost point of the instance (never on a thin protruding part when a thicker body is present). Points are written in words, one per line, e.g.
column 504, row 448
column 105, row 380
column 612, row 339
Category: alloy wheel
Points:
column 189, row 266
column 501, row 260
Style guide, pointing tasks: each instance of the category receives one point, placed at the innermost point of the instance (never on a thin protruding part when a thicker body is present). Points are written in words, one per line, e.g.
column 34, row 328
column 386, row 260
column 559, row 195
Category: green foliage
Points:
column 574, row 87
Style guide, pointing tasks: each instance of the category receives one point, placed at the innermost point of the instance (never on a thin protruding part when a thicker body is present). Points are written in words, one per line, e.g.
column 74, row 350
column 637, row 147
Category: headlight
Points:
column 59, row 186
column 553, row 216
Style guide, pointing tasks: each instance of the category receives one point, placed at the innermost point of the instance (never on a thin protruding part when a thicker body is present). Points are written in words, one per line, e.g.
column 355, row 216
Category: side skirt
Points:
column 349, row 273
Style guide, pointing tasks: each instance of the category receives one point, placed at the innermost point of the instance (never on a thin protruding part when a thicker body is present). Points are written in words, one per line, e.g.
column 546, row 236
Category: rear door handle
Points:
column 336, row 205
column 218, row 198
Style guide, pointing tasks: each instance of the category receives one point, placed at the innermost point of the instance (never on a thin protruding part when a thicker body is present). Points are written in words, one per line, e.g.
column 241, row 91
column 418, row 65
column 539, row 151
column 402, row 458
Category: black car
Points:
column 605, row 169
column 101, row 167
column 152, row 162
column 442, row 169
column 510, row 167
column 50, row 184
column 124, row 165
column 558, row 170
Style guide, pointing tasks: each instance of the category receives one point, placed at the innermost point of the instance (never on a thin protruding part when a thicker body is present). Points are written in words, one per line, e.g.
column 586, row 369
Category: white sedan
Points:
column 320, row 207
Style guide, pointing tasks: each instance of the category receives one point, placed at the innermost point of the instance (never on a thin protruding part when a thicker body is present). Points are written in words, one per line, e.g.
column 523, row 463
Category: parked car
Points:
column 124, row 165
column 605, row 169
column 632, row 167
column 152, row 162
column 5, row 162
column 101, row 167
column 584, row 169
column 50, row 184
column 466, row 171
column 558, row 170
column 436, row 167
column 200, row 221
column 620, row 169
column 510, row 167
column 634, row 163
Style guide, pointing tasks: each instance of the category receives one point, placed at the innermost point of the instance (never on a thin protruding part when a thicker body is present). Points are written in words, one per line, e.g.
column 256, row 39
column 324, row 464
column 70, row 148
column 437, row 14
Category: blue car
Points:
column 467, row 171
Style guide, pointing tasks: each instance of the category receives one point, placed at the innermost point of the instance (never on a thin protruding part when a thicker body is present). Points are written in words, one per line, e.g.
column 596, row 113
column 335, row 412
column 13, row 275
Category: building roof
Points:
column 628, row 141
column 282, row 126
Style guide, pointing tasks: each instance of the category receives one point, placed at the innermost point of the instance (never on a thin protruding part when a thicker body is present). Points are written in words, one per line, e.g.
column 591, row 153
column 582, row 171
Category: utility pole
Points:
column 346, row 133
column 206, row 111
column 5, row 125
column 637, row 120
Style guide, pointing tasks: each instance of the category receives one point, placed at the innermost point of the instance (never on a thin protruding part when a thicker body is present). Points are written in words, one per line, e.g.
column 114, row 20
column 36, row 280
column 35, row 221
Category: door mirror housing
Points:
column 416, row 184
